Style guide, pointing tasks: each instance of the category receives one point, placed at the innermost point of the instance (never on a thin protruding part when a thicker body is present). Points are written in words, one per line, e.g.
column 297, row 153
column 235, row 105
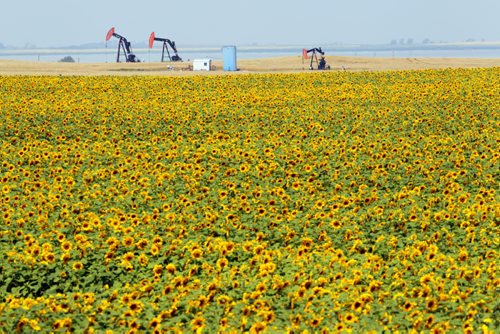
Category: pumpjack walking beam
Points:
column 166, row 43
column 123, row 45
column 314, row 58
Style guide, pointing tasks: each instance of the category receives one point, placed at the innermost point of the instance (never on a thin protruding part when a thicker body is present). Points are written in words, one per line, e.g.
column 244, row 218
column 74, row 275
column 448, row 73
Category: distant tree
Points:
column 402, row 41
column 394, row 42
column 426, row 41
column 2, row 46
column 409, row 41
column 67, row 59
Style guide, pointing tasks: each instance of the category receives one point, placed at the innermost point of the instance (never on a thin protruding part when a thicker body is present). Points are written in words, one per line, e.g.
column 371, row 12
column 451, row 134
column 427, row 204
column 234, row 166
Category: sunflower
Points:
column 319, row 204
column 429, row 321
column 413, row 217
column 258, row 327
column 430, row 256
column 296, row 185
column 49, row 257
column 315, row 322
column 222, row 194
column 223, row 323
column 135, row 306
column 336, row 224
column 167, row 289
column 77, row 265
column 87, row 227
column 21, row 323
column 463, row 255
column 269, row 317
column 142, row 244
column 244, row 168
column 307, row 242
column 202, row 301
column 66, row 246
column 196, row 253
column 425, row 279
column 222, row 263
column 133, row 325
column 408, row 306
column 261, row 287
column 6, row 189
column 127, row 241
column 197, row 323
column 463, row 198
column 157, row 269
column 171, row 268
column 307, row 168
column 357, row 306
column 223, row 300
column 258, row 249
column 229, row 246
column 340, row 327
column 297, row 319
column 432, row 304
column 143, row 260
column 301, row 292
column 261, row 211
column 155, row 250
column 155, row 322
column 350, row 318
column 58, row 324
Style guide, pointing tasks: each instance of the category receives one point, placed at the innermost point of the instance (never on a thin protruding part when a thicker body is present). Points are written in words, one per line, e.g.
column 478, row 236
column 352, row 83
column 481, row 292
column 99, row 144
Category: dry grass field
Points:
column 277, row 64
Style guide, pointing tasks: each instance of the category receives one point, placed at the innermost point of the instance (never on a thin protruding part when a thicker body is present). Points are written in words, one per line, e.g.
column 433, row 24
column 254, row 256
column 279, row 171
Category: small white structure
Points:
column 202, row 64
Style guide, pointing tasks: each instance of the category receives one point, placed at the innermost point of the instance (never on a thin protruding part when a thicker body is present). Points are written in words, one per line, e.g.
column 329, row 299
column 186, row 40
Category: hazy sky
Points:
column 68, row 22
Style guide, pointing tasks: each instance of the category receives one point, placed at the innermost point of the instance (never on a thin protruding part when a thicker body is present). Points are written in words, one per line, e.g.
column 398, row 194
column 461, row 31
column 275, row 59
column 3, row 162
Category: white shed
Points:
column 202, row 64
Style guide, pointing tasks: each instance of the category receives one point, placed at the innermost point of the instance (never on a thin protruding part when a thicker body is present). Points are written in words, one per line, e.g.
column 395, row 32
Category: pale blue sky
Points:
column 196, row 22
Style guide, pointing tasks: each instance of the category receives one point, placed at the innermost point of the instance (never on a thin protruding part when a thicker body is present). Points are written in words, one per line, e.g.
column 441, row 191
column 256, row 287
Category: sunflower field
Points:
column 305, row 202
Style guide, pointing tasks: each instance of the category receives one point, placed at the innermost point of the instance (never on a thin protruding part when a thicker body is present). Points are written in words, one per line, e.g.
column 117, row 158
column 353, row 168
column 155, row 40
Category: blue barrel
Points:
column 229, row 53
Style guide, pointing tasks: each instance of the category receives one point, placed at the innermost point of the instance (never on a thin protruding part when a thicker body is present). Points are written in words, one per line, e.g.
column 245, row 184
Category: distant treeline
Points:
column 415, row 47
